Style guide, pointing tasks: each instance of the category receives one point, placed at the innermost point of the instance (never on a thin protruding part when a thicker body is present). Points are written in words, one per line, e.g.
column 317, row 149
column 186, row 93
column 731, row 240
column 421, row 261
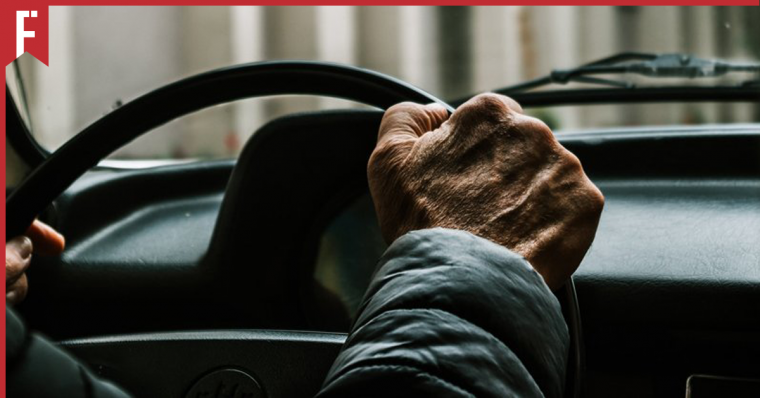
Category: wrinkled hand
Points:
column 40, row 239
column 489, row 170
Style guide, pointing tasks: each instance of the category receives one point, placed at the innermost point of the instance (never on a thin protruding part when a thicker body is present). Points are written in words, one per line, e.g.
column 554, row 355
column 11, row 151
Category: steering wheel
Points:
column 216, row 87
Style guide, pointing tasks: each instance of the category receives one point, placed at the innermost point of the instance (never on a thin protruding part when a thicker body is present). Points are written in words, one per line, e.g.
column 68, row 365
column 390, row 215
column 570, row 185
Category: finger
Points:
column 47, row 241
column 408, row 121
column 18, row 255
column 17, row 291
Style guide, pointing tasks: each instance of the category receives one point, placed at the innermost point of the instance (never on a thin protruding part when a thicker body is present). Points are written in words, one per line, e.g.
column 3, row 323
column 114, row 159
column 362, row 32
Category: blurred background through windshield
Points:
column 101, row 57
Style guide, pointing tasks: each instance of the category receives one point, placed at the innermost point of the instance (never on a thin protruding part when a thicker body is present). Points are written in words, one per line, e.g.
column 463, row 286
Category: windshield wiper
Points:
column 650, row 65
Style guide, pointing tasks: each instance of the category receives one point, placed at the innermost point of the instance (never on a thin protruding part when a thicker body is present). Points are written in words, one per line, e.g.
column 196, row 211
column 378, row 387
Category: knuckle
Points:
column 598, row 197
column 537, row 129
column 489, row 98
column 499, row 102
column 502, row 101
column 482, row 108
column 490, row 104
column 594, row 198
column 572, row 161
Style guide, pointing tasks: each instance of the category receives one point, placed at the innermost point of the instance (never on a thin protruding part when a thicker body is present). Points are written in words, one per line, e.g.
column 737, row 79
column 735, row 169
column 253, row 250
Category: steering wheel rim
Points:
column 188, row 95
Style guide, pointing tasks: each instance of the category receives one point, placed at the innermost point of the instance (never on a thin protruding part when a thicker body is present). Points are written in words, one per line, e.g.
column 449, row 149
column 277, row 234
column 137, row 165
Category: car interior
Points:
column 176, row 273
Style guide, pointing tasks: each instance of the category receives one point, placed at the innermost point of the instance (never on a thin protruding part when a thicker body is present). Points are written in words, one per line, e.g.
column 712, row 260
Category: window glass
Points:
column 102, row 57
column 15, row 84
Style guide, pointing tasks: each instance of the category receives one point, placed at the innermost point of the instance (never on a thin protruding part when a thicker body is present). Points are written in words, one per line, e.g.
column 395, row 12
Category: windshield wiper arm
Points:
column 651, row 65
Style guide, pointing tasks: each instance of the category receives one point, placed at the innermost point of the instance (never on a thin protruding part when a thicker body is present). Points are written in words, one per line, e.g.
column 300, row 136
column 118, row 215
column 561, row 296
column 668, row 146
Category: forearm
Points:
column 37, row 368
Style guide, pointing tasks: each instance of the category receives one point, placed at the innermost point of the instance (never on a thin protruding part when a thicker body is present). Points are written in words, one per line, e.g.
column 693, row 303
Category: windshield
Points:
column 102, row 57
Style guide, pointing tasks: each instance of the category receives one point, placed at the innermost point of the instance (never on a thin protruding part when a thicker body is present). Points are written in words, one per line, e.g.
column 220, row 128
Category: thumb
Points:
column 407, row 121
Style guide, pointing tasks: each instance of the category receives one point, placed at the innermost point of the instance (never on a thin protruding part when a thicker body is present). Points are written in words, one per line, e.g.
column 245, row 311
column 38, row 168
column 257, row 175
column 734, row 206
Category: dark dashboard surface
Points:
column 660, row 243
column 682, row 212
column 674, row 239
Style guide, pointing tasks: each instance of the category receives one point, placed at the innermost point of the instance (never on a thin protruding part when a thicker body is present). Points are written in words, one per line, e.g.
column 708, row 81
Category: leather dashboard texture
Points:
column 671, row 285
column 676, row 252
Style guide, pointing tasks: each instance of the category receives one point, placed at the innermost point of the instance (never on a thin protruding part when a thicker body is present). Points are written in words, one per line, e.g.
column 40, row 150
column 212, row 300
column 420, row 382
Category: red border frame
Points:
column 12, row 6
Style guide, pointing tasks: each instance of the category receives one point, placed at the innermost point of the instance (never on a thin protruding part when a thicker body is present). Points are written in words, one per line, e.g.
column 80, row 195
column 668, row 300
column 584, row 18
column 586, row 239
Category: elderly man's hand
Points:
column 40, row 239
column 489, row 170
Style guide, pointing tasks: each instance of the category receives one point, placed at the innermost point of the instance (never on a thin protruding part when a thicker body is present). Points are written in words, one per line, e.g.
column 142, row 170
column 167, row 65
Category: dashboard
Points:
column 670, row 287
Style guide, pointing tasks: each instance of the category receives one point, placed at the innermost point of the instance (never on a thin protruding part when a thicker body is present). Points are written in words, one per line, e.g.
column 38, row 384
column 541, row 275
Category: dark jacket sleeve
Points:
column 37, row 368
column 449, row 314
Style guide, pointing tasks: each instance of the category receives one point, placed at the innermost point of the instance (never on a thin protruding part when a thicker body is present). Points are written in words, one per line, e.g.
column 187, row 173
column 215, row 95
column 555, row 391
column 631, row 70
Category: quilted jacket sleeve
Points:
column 449, row 314
column 36, row 368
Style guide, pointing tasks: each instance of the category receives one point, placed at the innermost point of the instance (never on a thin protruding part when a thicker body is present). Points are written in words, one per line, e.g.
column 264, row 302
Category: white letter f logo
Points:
column 21, row 34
